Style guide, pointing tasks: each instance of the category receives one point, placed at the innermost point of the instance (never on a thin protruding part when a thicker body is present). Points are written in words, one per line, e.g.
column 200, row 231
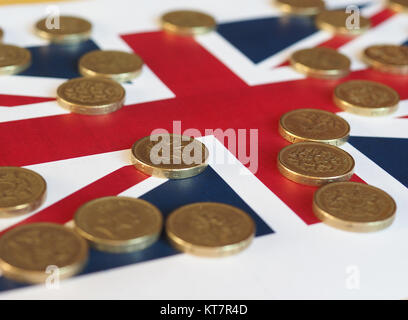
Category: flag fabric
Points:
column 236, row 78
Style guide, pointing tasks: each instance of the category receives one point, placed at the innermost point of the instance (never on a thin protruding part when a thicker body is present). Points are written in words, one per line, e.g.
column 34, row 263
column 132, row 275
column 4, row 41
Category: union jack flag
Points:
column 236, row 77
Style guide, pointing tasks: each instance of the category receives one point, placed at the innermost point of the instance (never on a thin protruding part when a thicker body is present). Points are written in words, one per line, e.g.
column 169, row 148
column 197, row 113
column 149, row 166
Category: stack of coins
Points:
column 187, row 22
column 170, row 156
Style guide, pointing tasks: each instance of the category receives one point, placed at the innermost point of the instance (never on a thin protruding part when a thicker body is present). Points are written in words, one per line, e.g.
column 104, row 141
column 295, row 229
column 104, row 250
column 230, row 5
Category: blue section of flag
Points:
column 391, row 154
column 259, row 39
column 405, row 43
column 58, row 61
column 208, row 186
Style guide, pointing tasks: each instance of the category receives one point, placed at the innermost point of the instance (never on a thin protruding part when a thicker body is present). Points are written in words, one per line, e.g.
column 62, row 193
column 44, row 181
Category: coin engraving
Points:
column 314, row 124
column 170, row 155
column 316, row 160
column 91, row 91
column 13, row 59
column 387, row 58
column 118, row 218
column 367, row 94
column 355, row 202
column 36, row 246
column 389, row 54
column 12, row 55
column 110, row 63
column 211, row 225
column 321, row 59
column 19, row 186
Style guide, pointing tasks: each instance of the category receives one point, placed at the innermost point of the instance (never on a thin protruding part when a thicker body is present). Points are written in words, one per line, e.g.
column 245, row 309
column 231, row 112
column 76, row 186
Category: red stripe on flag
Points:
column 185, row 67
column 7, row 100
column 110, row 185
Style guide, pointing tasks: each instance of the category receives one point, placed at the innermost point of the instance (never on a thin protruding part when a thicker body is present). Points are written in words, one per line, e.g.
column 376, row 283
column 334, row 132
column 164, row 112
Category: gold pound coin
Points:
column 116, row 65
column 21, row 191
column 398, row 5
column 321, row 62
column 30, row 253
column 91, row 95
column 185, row 22
column 119, row 224
column 169, row 156
column 387, row 58
column 336, row 21
column 301, row 7
column 366, row 98
column 13, row 59
column 354, row 207
column 314, row 125
column 210, row 229
column 70, row 29
column 314, row 163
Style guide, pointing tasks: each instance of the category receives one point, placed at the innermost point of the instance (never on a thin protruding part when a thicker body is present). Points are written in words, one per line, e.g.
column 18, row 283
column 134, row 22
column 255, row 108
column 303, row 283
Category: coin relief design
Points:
column 118, row 218
column 389, row 54
column 118, row 65
column 93, row 91
column 170, row 155
column 188, row 22
column 367, row 94
column 356, row 202
column 212, row 225
column 21, row 190
column 13, row 59
column 314, row 125
column 321, row 62
column 353, row 206
column 26, row 251
column 387, row 58
column 315, row 159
